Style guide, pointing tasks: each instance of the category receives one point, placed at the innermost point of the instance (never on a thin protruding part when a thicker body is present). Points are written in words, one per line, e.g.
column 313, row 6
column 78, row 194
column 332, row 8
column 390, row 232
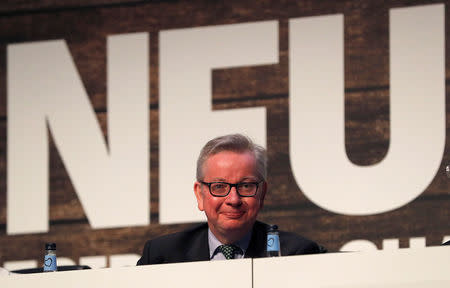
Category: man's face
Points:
column 232, row 214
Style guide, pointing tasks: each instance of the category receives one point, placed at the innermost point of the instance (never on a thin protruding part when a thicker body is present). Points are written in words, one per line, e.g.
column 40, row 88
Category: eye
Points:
column 218, row 186
column 246, row 185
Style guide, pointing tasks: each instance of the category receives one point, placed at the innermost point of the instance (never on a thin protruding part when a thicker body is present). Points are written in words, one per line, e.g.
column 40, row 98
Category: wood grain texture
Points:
column 85, row 25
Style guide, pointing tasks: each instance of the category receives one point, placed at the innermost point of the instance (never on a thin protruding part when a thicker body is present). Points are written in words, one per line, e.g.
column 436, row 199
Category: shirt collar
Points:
column 214, row 242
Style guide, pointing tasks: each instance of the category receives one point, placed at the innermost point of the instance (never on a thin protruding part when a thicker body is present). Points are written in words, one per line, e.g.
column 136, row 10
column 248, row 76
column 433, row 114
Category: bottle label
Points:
column 273, row 243
column 50, row 263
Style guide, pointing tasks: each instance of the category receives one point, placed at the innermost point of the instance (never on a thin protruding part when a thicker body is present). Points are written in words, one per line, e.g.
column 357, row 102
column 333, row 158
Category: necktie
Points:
column 229, row 250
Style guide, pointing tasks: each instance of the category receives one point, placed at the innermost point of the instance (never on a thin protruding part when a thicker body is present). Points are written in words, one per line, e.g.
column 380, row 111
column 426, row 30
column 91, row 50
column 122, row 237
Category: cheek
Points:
column 253, row 205
column 212, row 204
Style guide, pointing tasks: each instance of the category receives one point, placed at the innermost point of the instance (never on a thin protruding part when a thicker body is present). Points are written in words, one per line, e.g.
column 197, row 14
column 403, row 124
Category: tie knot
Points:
column 229, row 250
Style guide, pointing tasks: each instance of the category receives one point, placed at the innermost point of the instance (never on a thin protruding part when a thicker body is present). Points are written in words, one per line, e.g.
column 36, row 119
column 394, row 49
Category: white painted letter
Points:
column 20, row 264
column 358, row 245
column 417, row 242
column 417, row 113
column 122, row 260
column 44, row 87
column 94, row 262
column 187, row 57
column 391, row 244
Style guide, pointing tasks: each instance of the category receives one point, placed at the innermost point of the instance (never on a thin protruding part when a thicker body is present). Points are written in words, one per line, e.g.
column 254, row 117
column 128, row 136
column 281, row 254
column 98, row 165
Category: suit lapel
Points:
column 199, row 250
column 257, row 246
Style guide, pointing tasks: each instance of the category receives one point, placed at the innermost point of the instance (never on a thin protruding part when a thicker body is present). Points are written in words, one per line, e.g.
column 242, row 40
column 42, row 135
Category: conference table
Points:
column 412, row 268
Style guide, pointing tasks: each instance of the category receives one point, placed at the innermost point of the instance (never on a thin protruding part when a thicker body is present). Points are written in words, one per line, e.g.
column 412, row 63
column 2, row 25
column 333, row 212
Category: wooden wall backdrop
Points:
column 85, row 24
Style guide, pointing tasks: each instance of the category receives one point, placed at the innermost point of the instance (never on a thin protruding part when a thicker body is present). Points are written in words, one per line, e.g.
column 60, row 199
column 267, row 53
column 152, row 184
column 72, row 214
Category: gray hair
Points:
column 236, row 143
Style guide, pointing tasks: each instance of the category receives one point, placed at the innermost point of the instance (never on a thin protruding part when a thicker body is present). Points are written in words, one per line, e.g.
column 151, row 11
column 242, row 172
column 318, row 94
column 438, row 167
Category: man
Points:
column 230, row 189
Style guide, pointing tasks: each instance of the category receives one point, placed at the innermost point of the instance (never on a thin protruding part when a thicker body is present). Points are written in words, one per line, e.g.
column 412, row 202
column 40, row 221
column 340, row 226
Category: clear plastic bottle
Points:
column 50, row 257
column 273, row 242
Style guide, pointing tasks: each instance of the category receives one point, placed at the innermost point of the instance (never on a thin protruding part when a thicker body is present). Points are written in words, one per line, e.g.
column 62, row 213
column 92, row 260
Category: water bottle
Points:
column 50, row 257
column 273, row 242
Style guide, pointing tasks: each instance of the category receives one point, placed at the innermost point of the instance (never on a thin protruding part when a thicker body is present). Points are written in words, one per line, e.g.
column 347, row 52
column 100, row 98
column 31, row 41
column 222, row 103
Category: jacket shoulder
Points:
column 183, row 246
column 291, row 243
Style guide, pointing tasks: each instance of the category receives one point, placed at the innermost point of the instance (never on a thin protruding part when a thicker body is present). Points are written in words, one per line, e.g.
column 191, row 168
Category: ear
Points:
column 263, row 194
column 199, row 195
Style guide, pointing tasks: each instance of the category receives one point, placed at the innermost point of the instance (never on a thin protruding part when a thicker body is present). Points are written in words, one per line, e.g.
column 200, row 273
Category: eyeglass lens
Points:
column 243, row 188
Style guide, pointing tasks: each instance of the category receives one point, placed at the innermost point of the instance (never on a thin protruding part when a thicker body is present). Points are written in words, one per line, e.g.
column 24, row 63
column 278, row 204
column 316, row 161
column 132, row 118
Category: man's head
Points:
column 231, row 210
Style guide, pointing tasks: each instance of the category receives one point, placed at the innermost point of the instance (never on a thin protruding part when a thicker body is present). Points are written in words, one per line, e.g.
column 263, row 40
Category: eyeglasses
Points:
column 222, row 189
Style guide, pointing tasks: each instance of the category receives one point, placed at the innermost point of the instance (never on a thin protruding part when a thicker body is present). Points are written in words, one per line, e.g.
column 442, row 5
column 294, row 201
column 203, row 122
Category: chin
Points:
column 235, row 225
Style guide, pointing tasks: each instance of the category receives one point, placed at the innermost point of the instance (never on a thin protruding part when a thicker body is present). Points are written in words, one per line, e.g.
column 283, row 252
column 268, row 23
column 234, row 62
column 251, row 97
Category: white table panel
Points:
column 402, row 268
column 193, row 274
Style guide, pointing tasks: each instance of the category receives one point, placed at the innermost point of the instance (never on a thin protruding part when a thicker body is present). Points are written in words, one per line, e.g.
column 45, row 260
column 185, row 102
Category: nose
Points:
column 233, row 198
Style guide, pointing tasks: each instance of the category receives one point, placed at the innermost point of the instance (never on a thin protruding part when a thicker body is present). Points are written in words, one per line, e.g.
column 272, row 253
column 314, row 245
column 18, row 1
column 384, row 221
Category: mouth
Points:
column 234, row 215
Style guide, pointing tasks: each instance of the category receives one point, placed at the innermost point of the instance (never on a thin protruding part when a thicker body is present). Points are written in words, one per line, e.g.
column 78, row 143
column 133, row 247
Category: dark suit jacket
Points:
column 192, row 245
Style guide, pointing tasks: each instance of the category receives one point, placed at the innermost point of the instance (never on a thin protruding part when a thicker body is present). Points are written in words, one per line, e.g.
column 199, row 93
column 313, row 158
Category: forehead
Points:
column 229, row 164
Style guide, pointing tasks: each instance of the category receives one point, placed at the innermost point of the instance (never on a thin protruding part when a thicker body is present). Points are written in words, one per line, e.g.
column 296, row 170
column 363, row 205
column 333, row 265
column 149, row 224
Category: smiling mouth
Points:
column 234, row 215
